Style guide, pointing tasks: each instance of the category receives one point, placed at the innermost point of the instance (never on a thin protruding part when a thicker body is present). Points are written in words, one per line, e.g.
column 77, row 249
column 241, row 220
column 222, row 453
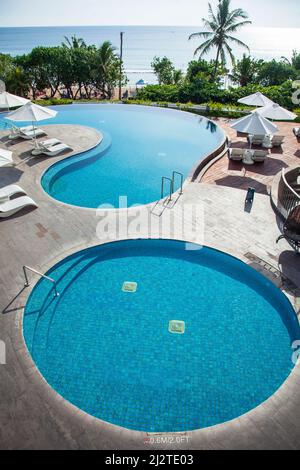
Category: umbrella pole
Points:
column 35, row 142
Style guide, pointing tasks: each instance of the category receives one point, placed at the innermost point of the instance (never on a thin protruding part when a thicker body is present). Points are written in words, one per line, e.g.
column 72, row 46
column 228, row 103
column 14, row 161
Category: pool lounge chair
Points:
column 55, row 150
column 236, row 154
column 26, row 134
column 17, row 129
column 44, row 144
column 256, row 139
column 8, row 191
column 291, row 229
column 6, row 158
column 11, row 207
column 259, row 155
column 296, row 131
column 277, row 140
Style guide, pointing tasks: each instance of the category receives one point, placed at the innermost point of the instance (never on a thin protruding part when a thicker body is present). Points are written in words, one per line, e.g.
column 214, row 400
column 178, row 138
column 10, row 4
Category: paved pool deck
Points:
column 233, row 174
column 32, row 415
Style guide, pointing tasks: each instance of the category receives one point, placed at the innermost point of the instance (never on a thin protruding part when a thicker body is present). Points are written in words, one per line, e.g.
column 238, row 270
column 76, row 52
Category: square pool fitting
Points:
column 129, row 287
column 177, row 326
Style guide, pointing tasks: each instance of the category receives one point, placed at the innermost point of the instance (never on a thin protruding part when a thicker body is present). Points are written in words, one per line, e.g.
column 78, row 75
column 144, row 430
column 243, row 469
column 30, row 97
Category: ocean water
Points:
column 142, row 43
column 110, row 352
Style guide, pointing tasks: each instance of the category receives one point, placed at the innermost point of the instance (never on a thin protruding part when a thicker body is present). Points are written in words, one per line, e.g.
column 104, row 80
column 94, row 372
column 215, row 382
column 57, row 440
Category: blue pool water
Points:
column 110, row 353
column 141, row 144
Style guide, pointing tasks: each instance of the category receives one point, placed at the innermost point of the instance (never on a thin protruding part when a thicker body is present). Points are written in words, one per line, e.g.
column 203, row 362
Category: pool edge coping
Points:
column 269, row 406
column 191, row 177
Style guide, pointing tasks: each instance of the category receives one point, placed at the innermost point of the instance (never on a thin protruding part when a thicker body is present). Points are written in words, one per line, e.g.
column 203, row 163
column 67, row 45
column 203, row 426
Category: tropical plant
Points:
column 74, row 42
column 294, row 61
column 275, row 73
column 165, row 71
column 107, row 70
column 246, row 71
column 177, row 77
column 17, row 82
column 219, row 29
column 6, row 66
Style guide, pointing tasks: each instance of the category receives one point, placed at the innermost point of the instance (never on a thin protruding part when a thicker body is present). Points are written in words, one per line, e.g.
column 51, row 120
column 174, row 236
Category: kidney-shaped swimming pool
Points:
column 141, row 144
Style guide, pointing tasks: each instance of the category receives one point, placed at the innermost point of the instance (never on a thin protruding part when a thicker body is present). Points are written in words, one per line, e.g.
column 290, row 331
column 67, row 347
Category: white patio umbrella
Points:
column 257, row 99
column 5, row 158
column 7, row 100
column 255, row 124
column 31, row 112
column 276, row 112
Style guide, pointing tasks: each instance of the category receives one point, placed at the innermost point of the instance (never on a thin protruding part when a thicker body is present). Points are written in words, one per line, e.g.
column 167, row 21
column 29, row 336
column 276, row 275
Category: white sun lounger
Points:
column 45, row 144
column 27, row 134
column 8, row 191
column 296, row 131
column 236, row 154
column 13, row 206
column 55, row 150
column 6, row 158
column 16, row 129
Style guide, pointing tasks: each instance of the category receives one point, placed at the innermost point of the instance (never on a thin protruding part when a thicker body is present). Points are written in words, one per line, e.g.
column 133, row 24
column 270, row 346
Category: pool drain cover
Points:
column 177, row 326
column 129, row 287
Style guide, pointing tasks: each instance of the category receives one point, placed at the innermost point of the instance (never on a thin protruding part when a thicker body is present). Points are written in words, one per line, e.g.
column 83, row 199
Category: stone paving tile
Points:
column 260, row 175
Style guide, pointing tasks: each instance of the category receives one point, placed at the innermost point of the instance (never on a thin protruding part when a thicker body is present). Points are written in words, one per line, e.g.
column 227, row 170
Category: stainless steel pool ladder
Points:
column 163, row 180
column 181, row 180
column 27, row 284
column 172, row 184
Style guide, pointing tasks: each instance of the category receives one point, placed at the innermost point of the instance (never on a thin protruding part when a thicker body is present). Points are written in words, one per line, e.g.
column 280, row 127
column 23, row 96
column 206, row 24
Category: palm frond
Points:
column 210, row 24
column 220, row 24
column 233, row 28
column 202, row 34
column 204, row 48
column 211, row 14
column 230, row 53
column 238, row 42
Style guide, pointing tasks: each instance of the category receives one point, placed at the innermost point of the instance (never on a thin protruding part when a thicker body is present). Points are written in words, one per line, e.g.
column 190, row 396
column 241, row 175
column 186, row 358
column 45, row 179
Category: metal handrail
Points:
column 181, row 180
column 27, row 284
column 289, row 186
column 164, row 178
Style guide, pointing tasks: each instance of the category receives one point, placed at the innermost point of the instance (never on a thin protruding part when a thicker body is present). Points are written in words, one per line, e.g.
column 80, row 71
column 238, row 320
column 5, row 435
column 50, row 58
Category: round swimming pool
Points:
column 108, row 345
column 141, row 144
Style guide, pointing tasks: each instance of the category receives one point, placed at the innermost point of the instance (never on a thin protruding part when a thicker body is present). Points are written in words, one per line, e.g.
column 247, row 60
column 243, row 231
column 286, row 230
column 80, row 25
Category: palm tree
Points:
column 294, row 61
column 108, row 69
column 18, row 82
column 220, row 27
column 246, row 71
column 74, row 43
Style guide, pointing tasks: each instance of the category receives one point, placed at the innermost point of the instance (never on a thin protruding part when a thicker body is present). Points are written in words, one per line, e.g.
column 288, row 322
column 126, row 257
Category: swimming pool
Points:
column 109, row 351
column 141, row 144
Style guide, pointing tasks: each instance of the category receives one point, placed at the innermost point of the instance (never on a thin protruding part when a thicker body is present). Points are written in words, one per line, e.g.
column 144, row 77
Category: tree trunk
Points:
column 216, row 64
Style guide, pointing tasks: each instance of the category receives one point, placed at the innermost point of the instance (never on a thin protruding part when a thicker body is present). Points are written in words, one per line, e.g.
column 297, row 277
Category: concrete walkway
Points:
column 32, row 415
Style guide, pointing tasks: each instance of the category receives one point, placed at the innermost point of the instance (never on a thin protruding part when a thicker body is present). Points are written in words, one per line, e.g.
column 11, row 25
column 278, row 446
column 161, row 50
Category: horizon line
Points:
column 134, row 25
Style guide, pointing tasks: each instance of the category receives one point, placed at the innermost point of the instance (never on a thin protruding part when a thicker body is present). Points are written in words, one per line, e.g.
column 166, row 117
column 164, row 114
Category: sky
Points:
column 273, row 13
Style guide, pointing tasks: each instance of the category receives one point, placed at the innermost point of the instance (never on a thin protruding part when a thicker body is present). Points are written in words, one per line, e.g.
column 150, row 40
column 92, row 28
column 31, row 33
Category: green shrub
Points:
column 166, row 93
column 53, row 102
